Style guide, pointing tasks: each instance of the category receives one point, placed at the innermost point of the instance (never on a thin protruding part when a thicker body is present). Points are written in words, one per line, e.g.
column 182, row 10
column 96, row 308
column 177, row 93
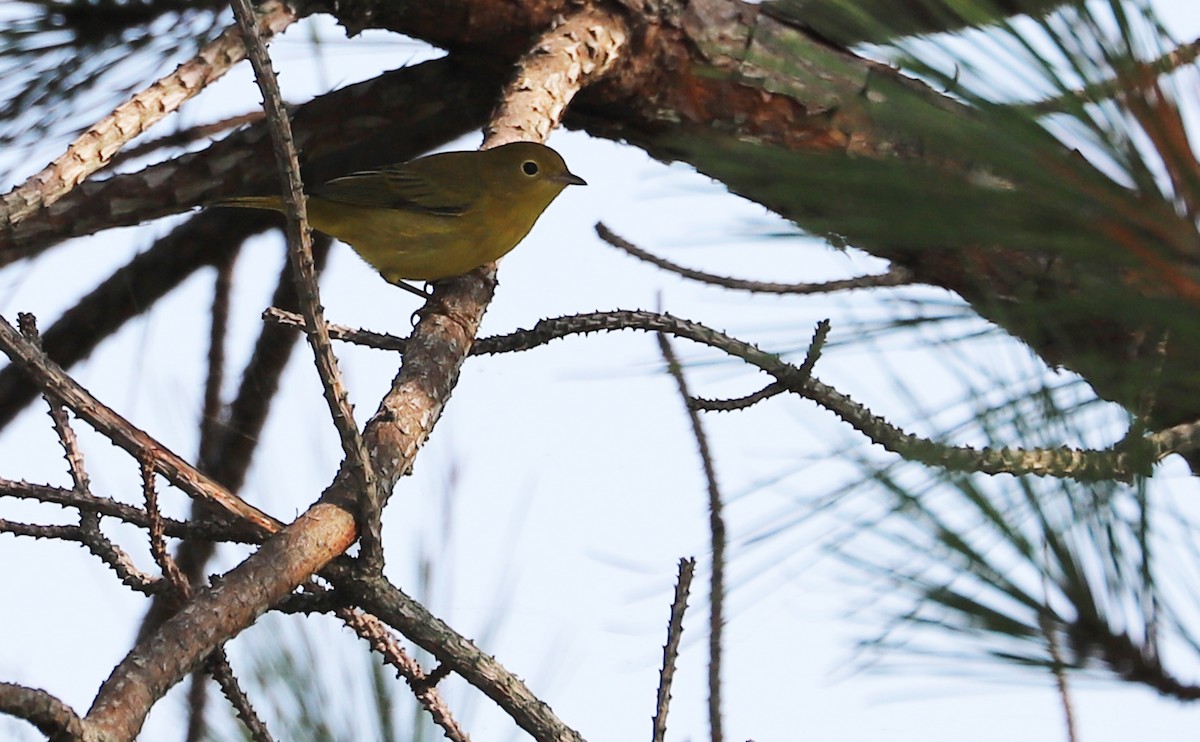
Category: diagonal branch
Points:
column 121, row 432
column 455, row 651
column 422, row 684
column 303, row 268
column 94, row 148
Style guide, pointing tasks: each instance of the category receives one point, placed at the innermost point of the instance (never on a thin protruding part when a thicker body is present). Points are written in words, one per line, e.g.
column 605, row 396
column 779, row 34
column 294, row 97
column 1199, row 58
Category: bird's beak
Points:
column 569, row 178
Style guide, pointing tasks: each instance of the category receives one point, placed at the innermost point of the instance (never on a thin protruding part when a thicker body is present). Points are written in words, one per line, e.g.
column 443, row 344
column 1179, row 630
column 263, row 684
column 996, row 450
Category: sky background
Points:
column 562, row 486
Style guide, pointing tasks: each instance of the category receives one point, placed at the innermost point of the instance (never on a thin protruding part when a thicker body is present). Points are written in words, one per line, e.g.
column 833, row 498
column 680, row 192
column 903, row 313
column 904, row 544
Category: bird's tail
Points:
column 273, row 203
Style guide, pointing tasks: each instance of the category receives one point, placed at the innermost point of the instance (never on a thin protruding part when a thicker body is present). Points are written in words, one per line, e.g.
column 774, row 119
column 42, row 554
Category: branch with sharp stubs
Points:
column 1131, row 458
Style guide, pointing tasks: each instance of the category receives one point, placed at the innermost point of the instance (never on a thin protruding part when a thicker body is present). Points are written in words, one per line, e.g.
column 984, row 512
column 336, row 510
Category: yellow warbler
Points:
column 436, row 216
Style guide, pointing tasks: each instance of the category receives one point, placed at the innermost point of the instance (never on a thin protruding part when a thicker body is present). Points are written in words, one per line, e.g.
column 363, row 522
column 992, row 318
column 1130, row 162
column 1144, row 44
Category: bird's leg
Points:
column 423, row 293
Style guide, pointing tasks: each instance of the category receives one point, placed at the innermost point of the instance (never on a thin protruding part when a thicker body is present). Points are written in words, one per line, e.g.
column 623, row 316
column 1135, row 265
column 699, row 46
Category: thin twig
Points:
column 304, row 274
column 716, row 529
column 218, row 667
column 377, row 340
column 423, row 685
column 33, row 530
column 116, row 559
column 773, row 389
column 158, row 545
column 896, row 276
column 130, row 514
column 671, row 649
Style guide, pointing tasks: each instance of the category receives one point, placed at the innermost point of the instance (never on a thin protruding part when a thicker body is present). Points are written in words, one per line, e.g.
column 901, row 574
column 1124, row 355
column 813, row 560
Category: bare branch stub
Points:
column 683, row 585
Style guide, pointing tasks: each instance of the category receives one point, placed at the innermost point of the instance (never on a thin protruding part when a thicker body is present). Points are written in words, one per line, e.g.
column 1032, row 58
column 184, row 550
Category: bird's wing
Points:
column 397, row 187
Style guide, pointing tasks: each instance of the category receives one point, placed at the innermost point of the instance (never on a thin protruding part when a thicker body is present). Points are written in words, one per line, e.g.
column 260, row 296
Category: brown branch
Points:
column 1083, row 464
column 33, row 530
column 96, row 146
column 158, row 546
column 423, row 686
column 300, row 255
column 773, row 389
column 215, row 615
column 52, row 379
column 51, row 716
column 671, row 649
column 456, row 652
column 218, row 667
column 896, row 276
column 1087, row 465
column 716, row 529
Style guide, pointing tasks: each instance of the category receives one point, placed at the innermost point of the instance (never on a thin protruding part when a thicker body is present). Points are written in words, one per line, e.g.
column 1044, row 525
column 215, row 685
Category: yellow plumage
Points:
column 436, row 216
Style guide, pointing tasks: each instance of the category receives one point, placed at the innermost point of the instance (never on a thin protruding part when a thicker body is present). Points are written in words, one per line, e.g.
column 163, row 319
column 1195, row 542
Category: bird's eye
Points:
column 529, row 167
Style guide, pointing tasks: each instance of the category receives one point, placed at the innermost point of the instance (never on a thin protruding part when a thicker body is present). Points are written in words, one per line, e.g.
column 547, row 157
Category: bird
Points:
column 437, row 216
